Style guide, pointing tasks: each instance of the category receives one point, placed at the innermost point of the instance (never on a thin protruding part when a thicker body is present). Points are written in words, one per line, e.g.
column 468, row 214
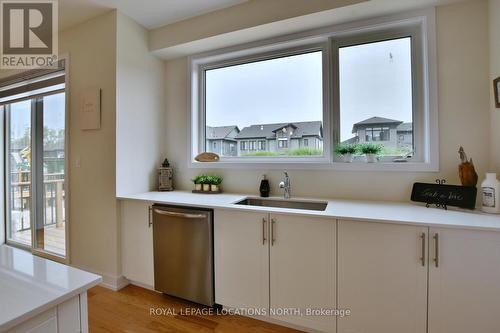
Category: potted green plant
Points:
column 205, row 183
column 197, row 183
column 346, row 151
column 370, row 151
column 215, row 182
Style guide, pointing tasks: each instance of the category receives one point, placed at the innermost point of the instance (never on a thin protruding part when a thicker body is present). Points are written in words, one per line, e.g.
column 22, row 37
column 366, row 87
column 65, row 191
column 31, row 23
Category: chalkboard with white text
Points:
column 445, row 195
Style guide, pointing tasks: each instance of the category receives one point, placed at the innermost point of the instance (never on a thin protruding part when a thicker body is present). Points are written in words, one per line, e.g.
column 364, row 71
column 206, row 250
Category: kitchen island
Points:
column 40, row 295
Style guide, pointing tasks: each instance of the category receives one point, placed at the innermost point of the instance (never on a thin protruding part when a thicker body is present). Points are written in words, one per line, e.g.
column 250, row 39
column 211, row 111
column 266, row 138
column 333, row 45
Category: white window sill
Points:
column 335, row 166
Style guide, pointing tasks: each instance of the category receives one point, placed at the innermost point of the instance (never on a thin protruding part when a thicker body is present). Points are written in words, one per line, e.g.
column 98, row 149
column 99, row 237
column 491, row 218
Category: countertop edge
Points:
column 47, row 306
column 410, row 214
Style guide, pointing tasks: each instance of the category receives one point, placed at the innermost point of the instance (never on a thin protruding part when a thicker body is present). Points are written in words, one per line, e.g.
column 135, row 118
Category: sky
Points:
column 53, row 114
column 375, row 81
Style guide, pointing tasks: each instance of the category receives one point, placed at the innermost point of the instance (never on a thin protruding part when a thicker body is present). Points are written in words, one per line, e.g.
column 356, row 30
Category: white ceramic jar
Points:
column 490, row 188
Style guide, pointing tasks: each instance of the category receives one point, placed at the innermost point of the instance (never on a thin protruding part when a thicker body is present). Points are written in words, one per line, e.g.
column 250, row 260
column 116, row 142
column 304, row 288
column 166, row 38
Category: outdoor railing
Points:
column 21, row 200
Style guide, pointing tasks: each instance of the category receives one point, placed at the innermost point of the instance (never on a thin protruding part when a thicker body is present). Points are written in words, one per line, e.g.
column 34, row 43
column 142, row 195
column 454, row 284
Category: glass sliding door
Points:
column 36, row 173
column 51, row 232
column 18, row 159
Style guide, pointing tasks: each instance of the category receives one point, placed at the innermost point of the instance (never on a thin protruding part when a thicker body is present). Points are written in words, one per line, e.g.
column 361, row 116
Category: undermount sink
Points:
column 290, row 204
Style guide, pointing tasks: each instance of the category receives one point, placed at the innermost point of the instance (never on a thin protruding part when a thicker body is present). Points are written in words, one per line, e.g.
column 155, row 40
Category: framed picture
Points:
column 496, row 88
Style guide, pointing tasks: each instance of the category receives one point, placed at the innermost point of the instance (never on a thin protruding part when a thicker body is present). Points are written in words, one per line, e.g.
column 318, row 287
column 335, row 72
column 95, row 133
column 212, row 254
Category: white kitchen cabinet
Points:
column 137, row 242
column 302, row 269
column 241, row 259
column 282, row 267
column 67, row 317
column 382, row 277
column 464, row 286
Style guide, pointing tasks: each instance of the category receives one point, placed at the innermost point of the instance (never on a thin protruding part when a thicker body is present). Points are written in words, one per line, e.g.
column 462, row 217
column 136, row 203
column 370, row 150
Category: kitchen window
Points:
column 34, row 112
column 368, row 84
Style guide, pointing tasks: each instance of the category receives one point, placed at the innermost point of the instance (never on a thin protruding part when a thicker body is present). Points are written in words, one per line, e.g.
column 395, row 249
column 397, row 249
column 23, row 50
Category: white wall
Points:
column 463, row 82
column 93, row 207
column 494, row 11
column 140, row 110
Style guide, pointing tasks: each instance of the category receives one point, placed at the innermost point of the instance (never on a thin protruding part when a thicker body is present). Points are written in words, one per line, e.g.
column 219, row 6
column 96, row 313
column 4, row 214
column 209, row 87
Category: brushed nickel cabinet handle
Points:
column 422, row 237
column 436, row 253
column 273, row 233
column 264, row 222
column 150, row 222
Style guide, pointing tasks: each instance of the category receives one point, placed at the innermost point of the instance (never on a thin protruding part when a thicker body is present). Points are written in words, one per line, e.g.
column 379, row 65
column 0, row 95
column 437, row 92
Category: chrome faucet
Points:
column 285, row 184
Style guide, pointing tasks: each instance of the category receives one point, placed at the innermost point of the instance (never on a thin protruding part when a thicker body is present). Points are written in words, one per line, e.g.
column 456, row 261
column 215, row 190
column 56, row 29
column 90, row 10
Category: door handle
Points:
column 273, row 233
column 264, row 222
column 436, row 250
column 422, row 238
column 175, row 214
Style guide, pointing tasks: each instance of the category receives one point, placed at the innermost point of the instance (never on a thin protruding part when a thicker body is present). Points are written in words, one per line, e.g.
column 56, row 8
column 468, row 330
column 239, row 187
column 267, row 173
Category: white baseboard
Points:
column 114, row 283
column 142, row 285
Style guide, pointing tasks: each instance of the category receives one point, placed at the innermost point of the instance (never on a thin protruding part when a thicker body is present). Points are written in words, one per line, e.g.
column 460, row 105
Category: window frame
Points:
column 419, row 24
column 225, row 60
column 417, row 65
column 36, row 129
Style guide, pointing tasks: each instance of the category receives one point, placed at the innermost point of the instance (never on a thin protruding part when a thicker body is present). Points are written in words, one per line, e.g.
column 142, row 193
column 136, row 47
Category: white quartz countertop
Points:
column 375, row 211
column 30, row 285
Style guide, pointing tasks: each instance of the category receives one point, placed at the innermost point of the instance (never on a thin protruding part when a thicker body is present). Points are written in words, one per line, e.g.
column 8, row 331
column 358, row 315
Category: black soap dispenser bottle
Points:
column 264, row 187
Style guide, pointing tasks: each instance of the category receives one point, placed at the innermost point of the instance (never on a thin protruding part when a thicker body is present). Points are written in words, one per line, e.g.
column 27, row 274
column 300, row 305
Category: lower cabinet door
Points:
column 302, row 271
column 241, row 259
column 382, row 277
column 137, row 242
column 464, row 284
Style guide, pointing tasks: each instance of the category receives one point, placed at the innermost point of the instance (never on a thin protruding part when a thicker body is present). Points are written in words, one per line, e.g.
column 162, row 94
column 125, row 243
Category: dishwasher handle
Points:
column 176, row 214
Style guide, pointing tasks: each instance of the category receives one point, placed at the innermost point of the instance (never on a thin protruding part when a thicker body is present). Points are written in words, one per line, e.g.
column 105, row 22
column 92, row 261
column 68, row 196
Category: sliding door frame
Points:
column 37, row 185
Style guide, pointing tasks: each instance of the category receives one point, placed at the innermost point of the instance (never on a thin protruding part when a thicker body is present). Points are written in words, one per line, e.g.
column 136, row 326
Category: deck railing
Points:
column 21, row 199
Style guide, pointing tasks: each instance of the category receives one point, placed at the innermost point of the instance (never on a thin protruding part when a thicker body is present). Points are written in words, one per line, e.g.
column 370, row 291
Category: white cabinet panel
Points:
column 302, row 270
column 43, row 323
column 241, row 259
column 137, row 242
column 464, row 290
column 381, row 278
column 68, row 316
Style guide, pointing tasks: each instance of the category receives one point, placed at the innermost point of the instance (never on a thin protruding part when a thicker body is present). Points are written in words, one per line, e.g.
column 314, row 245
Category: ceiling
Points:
column 149, row 13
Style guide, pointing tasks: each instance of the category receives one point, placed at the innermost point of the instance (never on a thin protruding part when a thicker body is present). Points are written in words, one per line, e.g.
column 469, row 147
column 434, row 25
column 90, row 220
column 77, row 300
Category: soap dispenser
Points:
column 264, row 187
column 491, row 198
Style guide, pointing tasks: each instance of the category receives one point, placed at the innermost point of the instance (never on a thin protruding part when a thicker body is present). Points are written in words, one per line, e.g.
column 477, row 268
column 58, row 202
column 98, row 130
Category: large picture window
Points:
column 271, row 104
column 295, row 101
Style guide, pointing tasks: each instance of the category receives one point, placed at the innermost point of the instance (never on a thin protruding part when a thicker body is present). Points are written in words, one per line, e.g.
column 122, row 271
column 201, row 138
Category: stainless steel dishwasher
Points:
column 183, row 253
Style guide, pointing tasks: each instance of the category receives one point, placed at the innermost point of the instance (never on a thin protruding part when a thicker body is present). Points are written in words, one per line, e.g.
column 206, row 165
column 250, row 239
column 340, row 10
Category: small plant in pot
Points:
column 215, row 182
column 370, row 151
column 205, row 183
column 346, row 151
column 198, row 185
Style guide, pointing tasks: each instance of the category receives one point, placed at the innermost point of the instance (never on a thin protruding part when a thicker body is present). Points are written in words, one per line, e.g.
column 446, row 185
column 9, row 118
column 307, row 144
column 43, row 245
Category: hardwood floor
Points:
column 128, row 310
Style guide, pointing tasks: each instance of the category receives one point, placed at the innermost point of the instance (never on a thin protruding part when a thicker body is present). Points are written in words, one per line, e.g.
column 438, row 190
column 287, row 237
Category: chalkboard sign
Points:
column 445, row 195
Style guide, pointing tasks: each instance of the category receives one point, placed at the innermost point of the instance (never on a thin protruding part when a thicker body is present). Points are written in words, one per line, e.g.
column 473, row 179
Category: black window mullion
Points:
column 37, row 172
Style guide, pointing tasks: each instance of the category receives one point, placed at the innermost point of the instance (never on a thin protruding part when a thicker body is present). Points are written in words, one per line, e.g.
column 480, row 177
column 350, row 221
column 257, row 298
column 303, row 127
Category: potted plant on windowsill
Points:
column 215, row 182
column 198, row 186
column 346, row 151
column 205, row 183
column 370, row 151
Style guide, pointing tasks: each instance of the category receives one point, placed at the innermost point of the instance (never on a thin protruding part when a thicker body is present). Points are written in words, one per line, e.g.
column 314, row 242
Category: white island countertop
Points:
column 369, row 211
column 30, row 285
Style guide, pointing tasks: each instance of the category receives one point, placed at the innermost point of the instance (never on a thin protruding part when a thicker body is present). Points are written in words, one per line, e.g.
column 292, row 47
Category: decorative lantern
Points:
column 165, row 177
